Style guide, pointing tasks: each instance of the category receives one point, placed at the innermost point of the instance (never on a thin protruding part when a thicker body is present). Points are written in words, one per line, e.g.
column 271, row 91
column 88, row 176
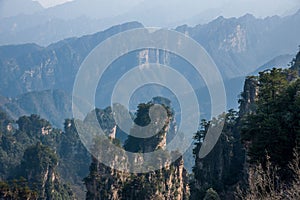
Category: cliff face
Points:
column 222, row 168
column 265, row 103
column 225, row 167
column 39, row 168
column 41, row 159
column 249, row 96
column 169, row 182
column 296, row 63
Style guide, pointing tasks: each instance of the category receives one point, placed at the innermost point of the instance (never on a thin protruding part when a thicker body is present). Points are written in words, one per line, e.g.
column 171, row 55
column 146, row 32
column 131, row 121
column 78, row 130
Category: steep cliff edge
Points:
column 169, row 182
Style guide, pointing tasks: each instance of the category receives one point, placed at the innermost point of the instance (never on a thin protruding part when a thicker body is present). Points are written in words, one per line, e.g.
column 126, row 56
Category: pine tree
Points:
column 211, row 194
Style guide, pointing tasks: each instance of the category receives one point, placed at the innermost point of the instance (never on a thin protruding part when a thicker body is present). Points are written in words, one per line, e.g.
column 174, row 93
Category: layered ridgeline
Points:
column 29, row 67
column 44, row 76
column 256, row 156
column 234, row 44
column 267, row 123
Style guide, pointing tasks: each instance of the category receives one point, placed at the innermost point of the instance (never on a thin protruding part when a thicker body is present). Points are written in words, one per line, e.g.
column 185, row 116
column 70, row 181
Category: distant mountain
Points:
column 24, row 24
column 44, row 30
column 79, row 17
column 192, row 12
column 281, row 61
column 239, row 45
column 93, row 9
column 9, row 8
column 26, row 68
column 29, row 22
column 52, row 105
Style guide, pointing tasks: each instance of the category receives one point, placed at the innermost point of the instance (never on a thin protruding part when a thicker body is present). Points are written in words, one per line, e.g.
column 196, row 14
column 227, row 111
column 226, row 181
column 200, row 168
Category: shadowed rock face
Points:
column 296, row 63
column 169, row 182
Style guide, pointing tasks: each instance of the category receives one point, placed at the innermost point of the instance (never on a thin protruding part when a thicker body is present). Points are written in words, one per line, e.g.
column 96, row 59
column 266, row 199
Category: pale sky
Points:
column 257, row 7
column 50, row 3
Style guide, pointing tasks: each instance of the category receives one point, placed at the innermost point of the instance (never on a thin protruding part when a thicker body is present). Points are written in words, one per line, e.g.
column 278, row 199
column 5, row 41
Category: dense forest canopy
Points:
column 39, row 161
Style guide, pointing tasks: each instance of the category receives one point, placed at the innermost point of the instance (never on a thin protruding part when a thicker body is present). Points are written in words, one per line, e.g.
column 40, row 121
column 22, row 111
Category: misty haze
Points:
column 140, row 99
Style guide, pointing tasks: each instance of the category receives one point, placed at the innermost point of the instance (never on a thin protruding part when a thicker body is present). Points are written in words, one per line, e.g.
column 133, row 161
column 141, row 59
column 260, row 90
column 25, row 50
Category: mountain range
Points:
column 43, row 49
column 237, row 45
column 26, row 21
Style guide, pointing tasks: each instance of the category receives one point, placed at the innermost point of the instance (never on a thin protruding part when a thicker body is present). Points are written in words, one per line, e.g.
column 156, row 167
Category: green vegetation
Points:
column 211, row 194
column 266, row 131
column 149, row 144
column 223, row 166
column 170, row 182
column 31, row 148
column 274, row 127
column 256, row 156
column 17, row 190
